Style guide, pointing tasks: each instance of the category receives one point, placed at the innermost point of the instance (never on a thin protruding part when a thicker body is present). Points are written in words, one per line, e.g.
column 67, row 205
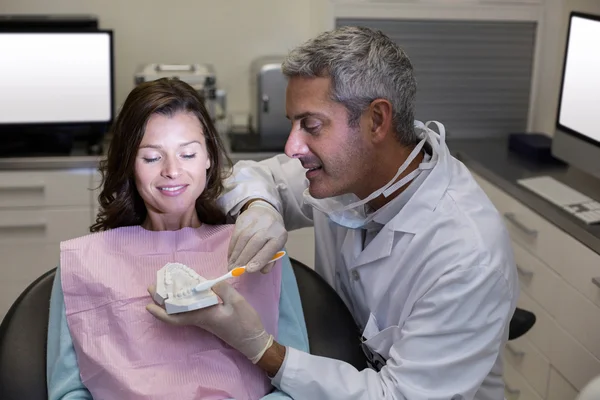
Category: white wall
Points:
column 230, row 33
column 226, row 33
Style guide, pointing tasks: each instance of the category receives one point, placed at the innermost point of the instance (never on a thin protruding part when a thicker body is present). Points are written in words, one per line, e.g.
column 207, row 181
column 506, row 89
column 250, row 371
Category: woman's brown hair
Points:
column 120, row 202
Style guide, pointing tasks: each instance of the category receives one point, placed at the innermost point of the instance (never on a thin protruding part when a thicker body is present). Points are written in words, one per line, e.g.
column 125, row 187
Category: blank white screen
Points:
column 581, row 88
column 55, row 77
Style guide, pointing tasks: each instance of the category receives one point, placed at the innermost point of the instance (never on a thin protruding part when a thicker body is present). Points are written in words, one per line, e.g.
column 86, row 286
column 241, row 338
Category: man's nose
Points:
column 296, row 145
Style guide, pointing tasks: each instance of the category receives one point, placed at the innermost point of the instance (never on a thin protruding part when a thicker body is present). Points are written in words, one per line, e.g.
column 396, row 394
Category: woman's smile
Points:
column 172, row 190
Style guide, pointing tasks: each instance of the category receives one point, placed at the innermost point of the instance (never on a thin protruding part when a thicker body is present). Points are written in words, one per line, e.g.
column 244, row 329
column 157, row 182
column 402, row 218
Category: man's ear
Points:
column 380, row 116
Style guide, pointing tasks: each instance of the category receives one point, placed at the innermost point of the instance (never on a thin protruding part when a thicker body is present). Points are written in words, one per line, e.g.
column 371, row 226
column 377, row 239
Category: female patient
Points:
column 160, row 183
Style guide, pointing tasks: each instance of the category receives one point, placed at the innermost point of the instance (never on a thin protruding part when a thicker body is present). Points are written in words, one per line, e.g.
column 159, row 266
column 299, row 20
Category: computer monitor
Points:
column 56, row 78
column 576, row 140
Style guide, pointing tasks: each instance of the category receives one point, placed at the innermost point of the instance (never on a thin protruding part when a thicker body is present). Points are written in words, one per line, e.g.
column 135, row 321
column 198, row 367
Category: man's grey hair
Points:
column 364, row 65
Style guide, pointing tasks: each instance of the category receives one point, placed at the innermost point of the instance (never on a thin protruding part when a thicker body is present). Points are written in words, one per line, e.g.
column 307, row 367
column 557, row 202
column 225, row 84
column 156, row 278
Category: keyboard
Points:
column 582, row 207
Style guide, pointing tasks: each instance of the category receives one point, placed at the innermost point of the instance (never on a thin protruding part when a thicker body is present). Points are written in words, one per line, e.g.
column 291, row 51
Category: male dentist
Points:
column 402, row 232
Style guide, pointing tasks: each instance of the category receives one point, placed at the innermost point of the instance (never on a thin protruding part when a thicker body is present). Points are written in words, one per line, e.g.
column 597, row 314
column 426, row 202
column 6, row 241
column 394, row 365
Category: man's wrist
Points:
column 273, row 359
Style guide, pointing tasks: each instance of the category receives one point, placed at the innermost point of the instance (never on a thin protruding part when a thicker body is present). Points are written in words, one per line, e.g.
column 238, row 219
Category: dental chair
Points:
column 331, row 332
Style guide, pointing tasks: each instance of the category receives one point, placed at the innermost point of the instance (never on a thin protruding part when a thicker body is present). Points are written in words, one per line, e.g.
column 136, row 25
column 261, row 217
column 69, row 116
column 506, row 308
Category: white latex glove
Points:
column 259, row 233
column 234, row 321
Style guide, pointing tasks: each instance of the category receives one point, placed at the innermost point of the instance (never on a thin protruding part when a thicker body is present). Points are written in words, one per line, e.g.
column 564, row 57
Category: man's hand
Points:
column 235, row 321
column 259, row 233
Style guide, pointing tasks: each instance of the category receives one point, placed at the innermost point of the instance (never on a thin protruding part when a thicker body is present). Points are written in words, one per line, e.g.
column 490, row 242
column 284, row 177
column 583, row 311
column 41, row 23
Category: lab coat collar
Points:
column 419, row 209
column 380, row 247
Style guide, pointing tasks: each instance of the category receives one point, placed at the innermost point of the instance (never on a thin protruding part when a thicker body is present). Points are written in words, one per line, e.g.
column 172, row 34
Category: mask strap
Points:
column 437, row 139
column 402, row 182
column 377, row 193
column 435, row 144
column 435, row 149
column 441, row 129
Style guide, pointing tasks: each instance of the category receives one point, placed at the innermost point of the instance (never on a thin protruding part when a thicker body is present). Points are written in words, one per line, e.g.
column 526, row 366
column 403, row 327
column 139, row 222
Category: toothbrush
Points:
column 233, row 273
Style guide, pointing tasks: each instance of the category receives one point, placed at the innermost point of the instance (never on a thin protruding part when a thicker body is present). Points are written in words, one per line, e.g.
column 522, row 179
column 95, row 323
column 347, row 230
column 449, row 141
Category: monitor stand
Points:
column 244, row 142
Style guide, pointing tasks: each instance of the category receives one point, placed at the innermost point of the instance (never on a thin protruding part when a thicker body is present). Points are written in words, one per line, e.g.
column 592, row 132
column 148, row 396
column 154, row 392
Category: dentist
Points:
column 402, row 231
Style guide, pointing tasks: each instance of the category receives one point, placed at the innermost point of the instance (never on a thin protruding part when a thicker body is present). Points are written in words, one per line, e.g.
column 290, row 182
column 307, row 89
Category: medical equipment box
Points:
column 201, row 77
column 534, row 147
column 267, row 99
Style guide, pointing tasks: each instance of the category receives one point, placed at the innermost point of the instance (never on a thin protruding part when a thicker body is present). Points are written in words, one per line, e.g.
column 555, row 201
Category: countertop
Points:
column 489, row 158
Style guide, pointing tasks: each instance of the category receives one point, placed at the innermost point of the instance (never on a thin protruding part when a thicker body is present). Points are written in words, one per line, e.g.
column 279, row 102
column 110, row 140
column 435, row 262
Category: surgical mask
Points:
column 346, row 210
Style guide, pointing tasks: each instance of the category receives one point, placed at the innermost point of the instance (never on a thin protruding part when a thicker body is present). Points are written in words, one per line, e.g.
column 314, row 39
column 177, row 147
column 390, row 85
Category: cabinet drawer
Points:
column 579, row 317
column 25, row 263
column 564, row 352
column 45, row 188
column 571, row 359
column 43, row 226
column 21, row 265
column 559, row 388
column 529, row 362
column 574, row 262
column 539, row 335
column 516, row 387
column 536, row 279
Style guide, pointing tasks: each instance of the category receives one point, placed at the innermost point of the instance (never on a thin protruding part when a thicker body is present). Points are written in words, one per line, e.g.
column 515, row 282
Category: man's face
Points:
column 337, row 157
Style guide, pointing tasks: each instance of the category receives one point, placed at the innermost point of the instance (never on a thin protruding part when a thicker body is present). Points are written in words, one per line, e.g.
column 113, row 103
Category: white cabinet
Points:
column 561, row 354
column 301, row 246
column 38, row 210
column 44, row 188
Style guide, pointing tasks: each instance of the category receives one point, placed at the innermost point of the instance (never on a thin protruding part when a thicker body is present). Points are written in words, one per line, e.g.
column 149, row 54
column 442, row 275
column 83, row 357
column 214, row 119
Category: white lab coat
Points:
column 434, row 290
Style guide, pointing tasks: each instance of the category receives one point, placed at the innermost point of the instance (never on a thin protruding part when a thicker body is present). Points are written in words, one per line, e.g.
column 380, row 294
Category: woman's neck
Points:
column 165, row 222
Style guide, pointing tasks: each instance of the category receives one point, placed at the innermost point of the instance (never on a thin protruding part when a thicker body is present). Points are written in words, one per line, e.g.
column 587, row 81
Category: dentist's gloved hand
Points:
column 235, row 321
column 259, row 233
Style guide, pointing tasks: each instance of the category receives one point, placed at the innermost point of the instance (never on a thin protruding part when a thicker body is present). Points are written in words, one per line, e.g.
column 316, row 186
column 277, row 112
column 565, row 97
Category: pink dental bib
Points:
column 125, row 353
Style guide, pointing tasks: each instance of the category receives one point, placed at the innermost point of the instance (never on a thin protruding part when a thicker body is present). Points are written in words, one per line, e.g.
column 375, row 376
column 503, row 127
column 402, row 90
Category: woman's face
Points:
column 170, row 167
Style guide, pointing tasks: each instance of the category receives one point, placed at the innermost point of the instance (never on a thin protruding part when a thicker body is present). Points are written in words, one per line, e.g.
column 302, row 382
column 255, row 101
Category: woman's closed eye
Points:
column 149, row 160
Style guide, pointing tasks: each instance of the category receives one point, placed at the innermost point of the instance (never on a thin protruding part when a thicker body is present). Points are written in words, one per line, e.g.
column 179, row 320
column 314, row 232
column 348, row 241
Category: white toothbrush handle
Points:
column 221, row 279
column 208, row 284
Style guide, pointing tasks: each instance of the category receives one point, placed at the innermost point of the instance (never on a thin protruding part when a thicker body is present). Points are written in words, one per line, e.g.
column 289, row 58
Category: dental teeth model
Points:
column 175, row 285
column 179, row 288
